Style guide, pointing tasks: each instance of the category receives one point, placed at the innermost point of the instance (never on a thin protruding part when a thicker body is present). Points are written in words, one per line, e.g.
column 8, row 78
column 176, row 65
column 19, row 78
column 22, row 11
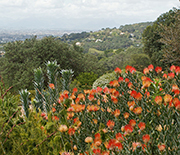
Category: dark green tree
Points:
column 21, row 58
column 170, row 37
column 151, row 36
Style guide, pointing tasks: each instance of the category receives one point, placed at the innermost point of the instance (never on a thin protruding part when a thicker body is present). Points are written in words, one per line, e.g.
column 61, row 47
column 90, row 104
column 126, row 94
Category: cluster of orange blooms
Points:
column 138, row 100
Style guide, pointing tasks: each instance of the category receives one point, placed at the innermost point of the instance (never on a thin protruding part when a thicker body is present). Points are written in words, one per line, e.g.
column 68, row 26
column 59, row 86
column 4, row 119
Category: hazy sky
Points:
column 80, row 14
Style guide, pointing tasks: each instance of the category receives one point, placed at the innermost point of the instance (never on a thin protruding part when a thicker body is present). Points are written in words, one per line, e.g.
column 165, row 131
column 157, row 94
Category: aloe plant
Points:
column 39, row 87
column 66, row 78
column 24, row 95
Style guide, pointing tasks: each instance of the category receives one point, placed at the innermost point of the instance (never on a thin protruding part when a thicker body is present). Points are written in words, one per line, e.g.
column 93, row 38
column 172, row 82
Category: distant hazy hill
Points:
column 104, row 39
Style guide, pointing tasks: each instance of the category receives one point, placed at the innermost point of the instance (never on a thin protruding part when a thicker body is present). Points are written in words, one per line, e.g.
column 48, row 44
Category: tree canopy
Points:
column 152, row 36
column 21, row 58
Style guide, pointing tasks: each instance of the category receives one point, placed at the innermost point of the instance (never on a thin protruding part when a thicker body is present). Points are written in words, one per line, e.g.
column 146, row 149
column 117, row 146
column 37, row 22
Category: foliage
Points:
column 104, row 80
column 86, row 79
column 134, row 114
column 152, row 34
column 139, row 61
column 21, row 58
column 115, row 38
column 170, row 37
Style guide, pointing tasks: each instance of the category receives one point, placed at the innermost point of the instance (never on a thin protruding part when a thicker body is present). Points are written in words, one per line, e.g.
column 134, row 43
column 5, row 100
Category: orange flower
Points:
column 71, row 131
column 86, row 91
column 138, row 96
column 114, row 83
column 165, row 76
column 55, row 118
column 88, row 139
column 147, row 94
column 111, row 144
column 110, row 124
column 141, row 125
column 126, row 80
column 91, row 97
column 76, row 107
column 119, row 146
column 53, row 109
column 150, row 67
column 117, row 70
column 131, row 103
column 161, row 147
column 95, row 121
column 177, row 70
column 97, row 142
column 130, row 85
column 146, row 71
column 73, row 96
column 158, row 99
column 132, row 122
column 119, row 137
column 135, row 145
column 75, row 90
column 126, row 115
column 97, row 151
column 128, row 68
column 75, row 147
column 81, row 96
column 177, row 105
column 99, row 89
column 61, row 98
column 105, row 153
column 70, row 115
column 146, row 81
column 174, row 88
column 97, row 136
column 43, row 114
column 120, row 79
column 51, row 85
column 167, row 98
column 133, row 93
column 106, row 90
column 114, row 99
column 128, row 128
column 132, row 70
column 158, row 69
column 63, row 128
column 122, row 129
column 159, row 128
column 93, row 91
column 116, row 112
column 65, row 92
column 77, row 100
column 137, row 110
column 146, row 138
column 91, row 108
column 116, row 93
column 170, row 76
column 172, row 68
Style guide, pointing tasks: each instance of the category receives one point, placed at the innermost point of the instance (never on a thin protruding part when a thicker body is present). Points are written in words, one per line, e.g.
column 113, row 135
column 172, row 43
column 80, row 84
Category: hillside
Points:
column 105, row 39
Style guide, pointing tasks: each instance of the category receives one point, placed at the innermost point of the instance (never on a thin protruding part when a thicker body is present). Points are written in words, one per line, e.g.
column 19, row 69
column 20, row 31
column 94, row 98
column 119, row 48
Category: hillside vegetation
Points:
column 104, row 39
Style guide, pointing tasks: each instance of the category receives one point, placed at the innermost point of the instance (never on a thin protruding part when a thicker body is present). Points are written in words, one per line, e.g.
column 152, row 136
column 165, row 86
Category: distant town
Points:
column 14, row 35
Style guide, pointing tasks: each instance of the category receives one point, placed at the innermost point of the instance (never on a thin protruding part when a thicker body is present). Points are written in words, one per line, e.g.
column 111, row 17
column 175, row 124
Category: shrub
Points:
column 133, row 114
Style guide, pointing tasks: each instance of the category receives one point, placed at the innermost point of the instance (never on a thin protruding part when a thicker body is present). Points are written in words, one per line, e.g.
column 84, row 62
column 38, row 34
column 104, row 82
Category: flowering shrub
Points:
column 135, row 114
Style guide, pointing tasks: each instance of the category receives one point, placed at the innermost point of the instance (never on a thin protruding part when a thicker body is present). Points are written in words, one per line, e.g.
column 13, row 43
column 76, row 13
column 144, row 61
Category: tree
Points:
column 151, row 36
column 21, row 58
column 170, row 37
